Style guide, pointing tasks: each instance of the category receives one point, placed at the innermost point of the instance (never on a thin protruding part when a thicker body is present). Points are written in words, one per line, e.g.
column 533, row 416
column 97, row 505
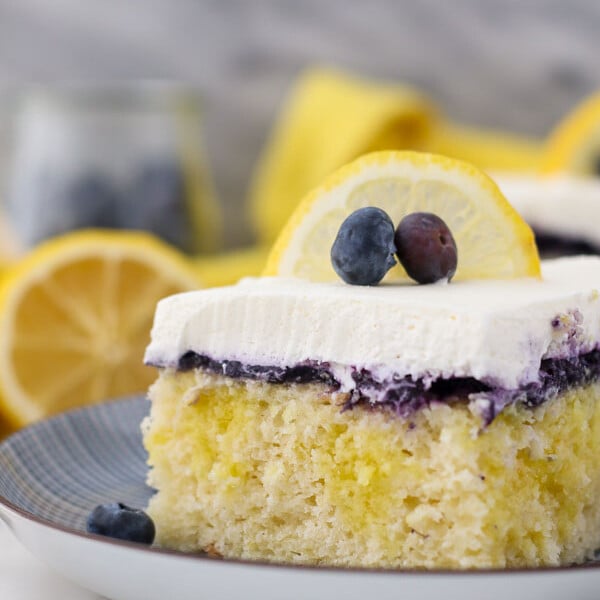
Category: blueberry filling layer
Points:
column 308, row 372
column 552, row 245
column 405, row 395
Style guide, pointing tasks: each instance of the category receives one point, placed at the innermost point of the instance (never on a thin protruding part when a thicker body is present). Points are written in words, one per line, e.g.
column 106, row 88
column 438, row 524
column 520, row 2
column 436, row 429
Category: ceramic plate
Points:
column 53, row 473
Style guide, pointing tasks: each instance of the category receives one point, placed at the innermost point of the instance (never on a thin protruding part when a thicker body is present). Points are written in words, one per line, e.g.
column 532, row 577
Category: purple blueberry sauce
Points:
column 404, row 395
column 552, row 245
column 307, row 372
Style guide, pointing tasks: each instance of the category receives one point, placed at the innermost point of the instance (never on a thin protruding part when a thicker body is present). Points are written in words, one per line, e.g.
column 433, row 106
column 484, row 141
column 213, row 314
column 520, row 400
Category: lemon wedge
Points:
column 574, row 144
column 492, row 239
column 75, row 317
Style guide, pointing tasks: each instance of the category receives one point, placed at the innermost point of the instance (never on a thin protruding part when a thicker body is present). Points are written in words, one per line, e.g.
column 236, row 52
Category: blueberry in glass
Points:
column 92, row 202
column 156, row 202
column 54, row 206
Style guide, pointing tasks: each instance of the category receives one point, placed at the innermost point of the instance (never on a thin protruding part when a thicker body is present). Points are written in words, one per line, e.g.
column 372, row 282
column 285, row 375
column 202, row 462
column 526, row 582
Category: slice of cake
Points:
column 563, row 210
column 305, row 420
column 562, row 201
column 414, row 426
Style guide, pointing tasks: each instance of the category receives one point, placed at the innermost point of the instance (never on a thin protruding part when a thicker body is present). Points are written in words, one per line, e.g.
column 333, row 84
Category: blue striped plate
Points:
column 53, row 473
column 58, row 470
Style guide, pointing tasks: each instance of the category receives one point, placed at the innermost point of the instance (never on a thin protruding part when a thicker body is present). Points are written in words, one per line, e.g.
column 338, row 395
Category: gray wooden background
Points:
column 502, row 63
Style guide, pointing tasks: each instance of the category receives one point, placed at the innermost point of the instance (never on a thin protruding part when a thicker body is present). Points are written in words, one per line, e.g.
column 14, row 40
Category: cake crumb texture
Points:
column 280, row 473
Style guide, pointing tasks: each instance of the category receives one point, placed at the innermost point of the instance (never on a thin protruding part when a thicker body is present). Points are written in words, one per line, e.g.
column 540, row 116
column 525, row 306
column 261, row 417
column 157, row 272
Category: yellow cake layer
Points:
column 280, row 473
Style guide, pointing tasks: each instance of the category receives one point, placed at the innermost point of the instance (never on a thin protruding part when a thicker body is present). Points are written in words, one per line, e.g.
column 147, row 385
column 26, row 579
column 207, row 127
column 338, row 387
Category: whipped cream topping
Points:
column 494, row 331
column 564, row 205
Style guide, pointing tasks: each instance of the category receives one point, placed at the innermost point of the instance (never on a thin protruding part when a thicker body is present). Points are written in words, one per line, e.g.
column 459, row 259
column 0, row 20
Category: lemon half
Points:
column 75, row 318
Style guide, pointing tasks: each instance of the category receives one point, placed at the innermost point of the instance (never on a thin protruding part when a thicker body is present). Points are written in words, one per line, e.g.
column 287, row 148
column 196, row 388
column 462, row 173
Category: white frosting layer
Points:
column 495, row 331
column 563, row 205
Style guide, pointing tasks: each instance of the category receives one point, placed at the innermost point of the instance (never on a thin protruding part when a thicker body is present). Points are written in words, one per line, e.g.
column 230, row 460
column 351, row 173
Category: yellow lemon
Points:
column 5, row 428
column 75, row 317
column 329, row 119
column 228, row 267
column 485, row 148
column 492, row 239
column 574, row 144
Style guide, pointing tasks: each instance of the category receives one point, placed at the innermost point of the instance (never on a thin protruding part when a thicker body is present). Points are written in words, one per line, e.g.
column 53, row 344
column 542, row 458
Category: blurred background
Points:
column 517, row 66
column 204, row 122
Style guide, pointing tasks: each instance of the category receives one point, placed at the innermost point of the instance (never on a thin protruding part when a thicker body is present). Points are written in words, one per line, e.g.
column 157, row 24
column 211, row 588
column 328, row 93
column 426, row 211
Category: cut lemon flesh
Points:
column 75, row 318
column 574, row 144
column 492, row 239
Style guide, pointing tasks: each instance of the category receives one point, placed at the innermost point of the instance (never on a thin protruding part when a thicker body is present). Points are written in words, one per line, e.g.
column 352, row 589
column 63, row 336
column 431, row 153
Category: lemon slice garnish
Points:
column 75, row 318
column 574, row 144
column 492, row 239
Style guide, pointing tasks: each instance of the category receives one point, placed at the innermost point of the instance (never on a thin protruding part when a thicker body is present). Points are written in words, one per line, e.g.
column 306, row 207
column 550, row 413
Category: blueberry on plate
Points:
column 119, row 521
column 426, row 248
column 157, row 202
column 363, row 251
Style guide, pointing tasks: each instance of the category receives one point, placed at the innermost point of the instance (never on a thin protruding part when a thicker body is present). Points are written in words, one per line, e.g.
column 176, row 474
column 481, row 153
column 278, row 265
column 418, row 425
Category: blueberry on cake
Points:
column 300, row 418
column 562, row 201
